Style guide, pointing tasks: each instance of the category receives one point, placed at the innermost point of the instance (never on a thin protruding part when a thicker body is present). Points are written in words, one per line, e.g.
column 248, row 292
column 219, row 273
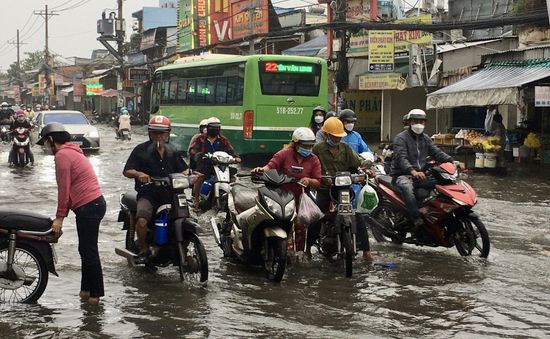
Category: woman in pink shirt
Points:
column 78, row 190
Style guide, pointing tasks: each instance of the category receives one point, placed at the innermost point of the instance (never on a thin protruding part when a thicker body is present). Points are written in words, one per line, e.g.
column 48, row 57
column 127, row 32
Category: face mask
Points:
column 349, row 127
column 319, row 119
column 304, row 152
column 213, row 132
column 332, row 143
column 417, row 128
column 20, row 119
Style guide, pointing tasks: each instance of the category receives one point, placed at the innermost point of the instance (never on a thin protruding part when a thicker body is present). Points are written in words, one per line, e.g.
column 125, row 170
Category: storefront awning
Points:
column 308, row 48
column 496, row 84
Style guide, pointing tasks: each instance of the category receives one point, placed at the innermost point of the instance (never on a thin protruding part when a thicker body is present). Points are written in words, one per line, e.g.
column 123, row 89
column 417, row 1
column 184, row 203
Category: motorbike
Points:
column 446, row 210
column 124, row 134
column 337, row 237
column 21, row 147
column 172, row 236
column 27, row 255
column 215, row 189
column 5, row 131
column 258, row 222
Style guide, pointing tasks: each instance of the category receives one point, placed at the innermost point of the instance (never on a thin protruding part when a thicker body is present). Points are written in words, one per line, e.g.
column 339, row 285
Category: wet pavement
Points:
column 429, row 293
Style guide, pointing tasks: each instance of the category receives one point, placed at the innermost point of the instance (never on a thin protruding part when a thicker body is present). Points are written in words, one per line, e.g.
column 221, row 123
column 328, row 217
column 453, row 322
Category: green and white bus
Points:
column 260, row 99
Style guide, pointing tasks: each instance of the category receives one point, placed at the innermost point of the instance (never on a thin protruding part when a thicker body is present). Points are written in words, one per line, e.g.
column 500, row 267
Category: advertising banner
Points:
column 186, row 24
column 203, row 23
column 542, row 96
column 381, row 51
column 220, row 21
column 381, row 81
column 240, row 22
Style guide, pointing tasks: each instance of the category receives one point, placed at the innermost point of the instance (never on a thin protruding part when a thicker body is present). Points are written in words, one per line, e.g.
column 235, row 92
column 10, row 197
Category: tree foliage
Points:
column 33, row 61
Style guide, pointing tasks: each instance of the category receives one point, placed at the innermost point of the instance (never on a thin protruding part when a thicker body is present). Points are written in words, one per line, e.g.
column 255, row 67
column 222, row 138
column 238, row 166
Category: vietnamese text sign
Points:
column 220, row 21
column 240, row 22
column 203, row 23
column 367, row 106
column 381, row 81
column 94, row 89
column 186, row 26
column 381, row 51
column 542, row 96
column 138, row 74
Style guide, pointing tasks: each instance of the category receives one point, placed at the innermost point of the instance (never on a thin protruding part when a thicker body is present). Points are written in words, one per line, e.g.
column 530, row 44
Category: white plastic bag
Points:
column 368, row 200
column 308, row 211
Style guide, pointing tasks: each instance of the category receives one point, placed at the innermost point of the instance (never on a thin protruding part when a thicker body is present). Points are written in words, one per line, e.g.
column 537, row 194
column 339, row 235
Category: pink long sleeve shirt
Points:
column 77, row 183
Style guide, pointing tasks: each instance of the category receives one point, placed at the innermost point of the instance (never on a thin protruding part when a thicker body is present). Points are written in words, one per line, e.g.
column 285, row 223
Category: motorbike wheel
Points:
column 28, row 265
column 193, row 263
column 386, row 215
column 470, row 236
column 21, row 161
column 275, row 258
column 348, row 252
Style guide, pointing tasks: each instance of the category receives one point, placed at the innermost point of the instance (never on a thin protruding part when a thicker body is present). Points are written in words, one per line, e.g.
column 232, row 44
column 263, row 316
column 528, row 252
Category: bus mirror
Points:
column 155, row 109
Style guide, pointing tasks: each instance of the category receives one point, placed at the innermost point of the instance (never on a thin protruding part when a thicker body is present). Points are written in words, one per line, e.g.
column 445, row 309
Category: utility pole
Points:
column 120, row 42
column 251, row 12
column 18, row 44
column 47, row 59
column 342, row 73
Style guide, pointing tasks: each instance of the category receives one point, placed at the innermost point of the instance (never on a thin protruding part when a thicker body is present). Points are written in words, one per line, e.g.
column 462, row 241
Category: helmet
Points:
column 203, row 122
column 319, row 108
column 417, row 114
column 20, row 113
column 159, row 123
column 52, row 127
column 347, row 115
column 334, row 127
column 213, row 121
column 406, row 117
column 124, row 110
column 5, row 104
column 303, row 135
column 330, row 114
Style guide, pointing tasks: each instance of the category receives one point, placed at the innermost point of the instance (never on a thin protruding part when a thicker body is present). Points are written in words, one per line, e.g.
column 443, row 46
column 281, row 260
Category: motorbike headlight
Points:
column 344, row 180
column 273, row 207
column 4, row 129
column 181, row 183
column 289, row 209
column 345, row 197
column 93, row 133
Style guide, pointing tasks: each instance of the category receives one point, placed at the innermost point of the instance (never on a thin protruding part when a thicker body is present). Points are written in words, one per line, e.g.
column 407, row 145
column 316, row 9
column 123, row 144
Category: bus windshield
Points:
column 294, row 78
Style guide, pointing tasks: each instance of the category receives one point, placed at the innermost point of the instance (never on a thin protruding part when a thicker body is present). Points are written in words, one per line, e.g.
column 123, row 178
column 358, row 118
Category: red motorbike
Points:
column 446, row 210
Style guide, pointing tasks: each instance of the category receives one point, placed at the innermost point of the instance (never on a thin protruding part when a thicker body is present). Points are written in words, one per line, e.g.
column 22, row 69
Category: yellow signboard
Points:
column 381, row 81
column 381, row 51
column 367, row 106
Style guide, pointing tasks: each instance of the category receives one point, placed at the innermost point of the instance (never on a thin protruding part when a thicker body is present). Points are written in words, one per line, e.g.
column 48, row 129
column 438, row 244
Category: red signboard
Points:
column 220, row 21
column 242, row 11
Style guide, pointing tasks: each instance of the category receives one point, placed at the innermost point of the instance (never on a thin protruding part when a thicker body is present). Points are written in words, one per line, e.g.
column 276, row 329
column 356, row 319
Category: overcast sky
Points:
column 72, row 32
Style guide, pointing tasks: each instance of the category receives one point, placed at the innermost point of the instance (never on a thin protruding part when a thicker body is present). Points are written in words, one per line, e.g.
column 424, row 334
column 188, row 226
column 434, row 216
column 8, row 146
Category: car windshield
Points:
column 66, row 118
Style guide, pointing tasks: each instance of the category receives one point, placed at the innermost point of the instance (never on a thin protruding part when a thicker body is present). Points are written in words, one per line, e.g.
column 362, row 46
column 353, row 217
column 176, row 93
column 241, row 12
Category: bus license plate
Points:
column 290, row 110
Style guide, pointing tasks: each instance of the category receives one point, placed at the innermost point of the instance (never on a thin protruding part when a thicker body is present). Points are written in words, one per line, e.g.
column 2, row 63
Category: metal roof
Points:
column 497, row 83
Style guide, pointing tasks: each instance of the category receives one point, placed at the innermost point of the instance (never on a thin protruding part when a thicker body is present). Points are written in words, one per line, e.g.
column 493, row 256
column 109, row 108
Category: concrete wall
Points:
column 397, row 103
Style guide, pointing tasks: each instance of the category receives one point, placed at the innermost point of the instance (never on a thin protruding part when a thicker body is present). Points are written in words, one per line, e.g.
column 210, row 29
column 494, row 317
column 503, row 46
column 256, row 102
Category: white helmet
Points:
column 213, row 120
column 5, row 104
column 203, row 122
column 303, row 135
column 417, row 114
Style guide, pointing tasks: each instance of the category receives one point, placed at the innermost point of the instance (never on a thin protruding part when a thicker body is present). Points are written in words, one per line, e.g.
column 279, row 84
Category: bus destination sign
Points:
column 274, row 67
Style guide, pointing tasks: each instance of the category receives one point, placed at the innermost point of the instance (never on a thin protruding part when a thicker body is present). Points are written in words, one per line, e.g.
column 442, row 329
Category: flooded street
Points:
column 430, row 292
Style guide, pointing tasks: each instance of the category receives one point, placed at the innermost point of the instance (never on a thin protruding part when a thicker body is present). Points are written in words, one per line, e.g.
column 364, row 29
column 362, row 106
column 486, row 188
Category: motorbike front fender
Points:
column 277, row 232
column 182, row 226
column 45, row 251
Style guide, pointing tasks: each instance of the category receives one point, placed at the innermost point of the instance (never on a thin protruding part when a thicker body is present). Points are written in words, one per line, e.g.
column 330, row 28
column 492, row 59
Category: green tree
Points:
column 33, row 61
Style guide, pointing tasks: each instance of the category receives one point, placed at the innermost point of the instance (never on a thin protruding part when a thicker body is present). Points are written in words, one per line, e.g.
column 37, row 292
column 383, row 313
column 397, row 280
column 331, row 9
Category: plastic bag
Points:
column 368, row 200
column 308, row 211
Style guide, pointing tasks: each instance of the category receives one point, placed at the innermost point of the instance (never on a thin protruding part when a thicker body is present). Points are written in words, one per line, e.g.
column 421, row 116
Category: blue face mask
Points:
column 332, row 143
column 304, row 152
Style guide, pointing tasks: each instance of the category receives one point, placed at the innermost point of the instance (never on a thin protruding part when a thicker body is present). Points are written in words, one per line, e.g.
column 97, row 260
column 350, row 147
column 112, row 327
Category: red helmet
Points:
column 159, row 123
column 20, row 113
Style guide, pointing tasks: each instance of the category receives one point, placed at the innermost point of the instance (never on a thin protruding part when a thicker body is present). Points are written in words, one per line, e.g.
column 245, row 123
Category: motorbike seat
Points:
column 24, row 221
column 129, row 199
column 243, row 196
column 386, row 180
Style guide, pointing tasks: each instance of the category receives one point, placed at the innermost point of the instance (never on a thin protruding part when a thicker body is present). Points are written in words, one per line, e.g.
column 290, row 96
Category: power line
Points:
column 78, row 4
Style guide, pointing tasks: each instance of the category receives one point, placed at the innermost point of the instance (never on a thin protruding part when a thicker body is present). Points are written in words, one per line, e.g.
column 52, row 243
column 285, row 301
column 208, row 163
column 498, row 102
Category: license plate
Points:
column 182, row 200
column 79, row 143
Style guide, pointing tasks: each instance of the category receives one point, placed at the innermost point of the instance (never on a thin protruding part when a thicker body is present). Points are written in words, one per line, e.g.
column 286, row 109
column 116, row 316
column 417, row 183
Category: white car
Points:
column 82, row 132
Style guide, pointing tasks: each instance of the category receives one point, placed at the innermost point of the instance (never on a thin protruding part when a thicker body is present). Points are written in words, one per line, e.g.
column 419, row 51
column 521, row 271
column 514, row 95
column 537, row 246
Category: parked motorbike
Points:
column 337, row 237
column 446, row 210
column 5, row 132
column 215, row 189
column 257, row 223
column 172, row 237
column 26, row 255
column 21, row 146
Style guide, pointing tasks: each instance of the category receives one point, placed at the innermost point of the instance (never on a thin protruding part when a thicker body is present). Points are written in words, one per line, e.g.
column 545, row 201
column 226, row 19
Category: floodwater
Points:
column 430, row 293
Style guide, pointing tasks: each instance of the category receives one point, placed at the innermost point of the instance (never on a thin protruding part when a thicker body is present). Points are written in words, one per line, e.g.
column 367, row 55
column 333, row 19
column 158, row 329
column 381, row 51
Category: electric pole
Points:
column 251, row 12
column 47, row 61
column 342, row 74
column 18, row 44
column 120, row 41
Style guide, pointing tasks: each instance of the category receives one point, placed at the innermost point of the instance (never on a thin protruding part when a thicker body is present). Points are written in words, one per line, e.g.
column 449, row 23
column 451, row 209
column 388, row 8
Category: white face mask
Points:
column 418, row 128
column 319, row 119
column 349, row 127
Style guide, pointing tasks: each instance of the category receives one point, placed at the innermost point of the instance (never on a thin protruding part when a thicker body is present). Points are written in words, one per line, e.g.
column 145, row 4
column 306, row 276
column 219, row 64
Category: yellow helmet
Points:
column 334, row 127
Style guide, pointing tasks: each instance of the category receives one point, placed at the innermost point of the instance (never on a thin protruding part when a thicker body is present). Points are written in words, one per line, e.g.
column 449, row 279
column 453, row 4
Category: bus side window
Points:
column 235, row 90
column 200, row 94
column 165, row 91
column 173, row 92
column 182, row 91
column 221, row 91
column 210, row 91
column 191, row 89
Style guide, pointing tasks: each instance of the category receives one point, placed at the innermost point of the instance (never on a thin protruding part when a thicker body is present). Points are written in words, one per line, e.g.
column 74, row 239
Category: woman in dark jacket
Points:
column 317, row 119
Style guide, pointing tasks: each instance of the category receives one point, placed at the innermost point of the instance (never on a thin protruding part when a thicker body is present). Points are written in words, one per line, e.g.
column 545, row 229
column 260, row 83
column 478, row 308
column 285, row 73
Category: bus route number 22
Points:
column 290, row 110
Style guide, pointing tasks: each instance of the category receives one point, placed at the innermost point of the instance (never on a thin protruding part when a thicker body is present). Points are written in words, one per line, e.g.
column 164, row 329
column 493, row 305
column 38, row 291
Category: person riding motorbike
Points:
column 317, row 119
column 37, row 108
column 297, row 161
column 320, row 135
column 29, row 112
column 202, row 130
column 123, row 122
column 6, row 114
column 156, row 157
column 21, row 121
column 411, row 149
column 210, row 142
column 335, row 156
column 353, row 139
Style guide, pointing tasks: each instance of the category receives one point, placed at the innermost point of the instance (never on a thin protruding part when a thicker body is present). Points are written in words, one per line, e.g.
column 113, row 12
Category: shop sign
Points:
column 16, row 94
column 77, row 99
column 381, row 51
column 367, row 106
column 94, row 89
column 359, row 10
column 35, row 91
column 240, row 14
column 220, row 21
column 186, row 25
column 41, row 84
column 203, row 32
column 542, row 96
column 138, row 74
column 381, row 81
column 78, row 88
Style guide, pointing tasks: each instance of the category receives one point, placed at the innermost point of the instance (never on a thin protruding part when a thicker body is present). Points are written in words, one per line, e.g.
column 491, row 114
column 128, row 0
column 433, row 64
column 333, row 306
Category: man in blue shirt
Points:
column 353, row 139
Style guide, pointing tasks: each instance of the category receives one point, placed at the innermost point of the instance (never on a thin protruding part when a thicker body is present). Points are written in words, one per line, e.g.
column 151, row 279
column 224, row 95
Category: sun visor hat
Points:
column 52, row 127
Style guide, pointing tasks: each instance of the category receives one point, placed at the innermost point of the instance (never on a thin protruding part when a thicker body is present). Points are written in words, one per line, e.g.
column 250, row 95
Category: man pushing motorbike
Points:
column 411, row 149
column 154, row 158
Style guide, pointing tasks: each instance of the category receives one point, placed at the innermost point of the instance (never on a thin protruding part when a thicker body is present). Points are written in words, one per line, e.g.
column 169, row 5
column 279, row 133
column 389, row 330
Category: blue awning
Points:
column 308, row 48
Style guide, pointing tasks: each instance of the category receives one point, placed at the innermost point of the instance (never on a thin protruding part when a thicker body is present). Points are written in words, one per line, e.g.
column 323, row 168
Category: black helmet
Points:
column 347, row 115
column 330, row 114
column 52, row 128
column 319, row 108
